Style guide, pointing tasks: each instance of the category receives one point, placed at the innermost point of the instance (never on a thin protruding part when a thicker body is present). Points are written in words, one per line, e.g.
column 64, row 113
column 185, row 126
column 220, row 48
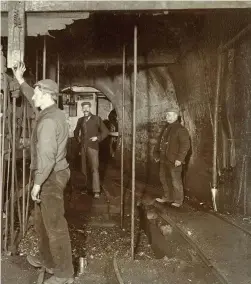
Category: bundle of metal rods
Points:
column 14, row 198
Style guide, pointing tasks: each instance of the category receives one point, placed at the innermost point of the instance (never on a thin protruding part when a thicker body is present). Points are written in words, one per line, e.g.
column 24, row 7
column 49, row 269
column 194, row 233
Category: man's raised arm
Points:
column 27, row 90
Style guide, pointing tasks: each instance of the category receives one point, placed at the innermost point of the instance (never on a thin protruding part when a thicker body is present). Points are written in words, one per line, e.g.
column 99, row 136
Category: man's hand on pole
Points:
column 94, row 138
column 18, row 72
column 35, row 193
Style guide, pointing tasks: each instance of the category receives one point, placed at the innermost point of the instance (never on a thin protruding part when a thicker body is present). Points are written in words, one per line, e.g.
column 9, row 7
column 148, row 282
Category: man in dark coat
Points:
column 89, row 132
column 172, row 150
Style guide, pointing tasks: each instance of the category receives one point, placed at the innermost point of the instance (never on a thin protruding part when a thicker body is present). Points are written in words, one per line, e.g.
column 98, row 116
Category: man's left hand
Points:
column 177, row 163
column 35, row 193
column 94, row 138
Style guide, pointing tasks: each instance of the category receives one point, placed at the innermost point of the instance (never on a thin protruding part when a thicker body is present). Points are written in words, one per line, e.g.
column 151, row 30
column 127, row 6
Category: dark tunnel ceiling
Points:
column 103, row 34
column 106, row 33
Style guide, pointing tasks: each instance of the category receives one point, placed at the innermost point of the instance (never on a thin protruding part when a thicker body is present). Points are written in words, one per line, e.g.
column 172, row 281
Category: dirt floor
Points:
column 96, row 235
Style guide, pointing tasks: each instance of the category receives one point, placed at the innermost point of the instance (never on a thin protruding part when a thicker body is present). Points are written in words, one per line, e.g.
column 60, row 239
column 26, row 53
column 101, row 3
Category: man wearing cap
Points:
column 172, row 150
column 89, row 132
column 48, row 152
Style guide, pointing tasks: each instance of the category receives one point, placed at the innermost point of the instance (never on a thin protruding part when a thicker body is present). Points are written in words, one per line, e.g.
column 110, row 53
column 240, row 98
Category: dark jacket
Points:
column 94, row 127
column 174, row 143
column 49, row 140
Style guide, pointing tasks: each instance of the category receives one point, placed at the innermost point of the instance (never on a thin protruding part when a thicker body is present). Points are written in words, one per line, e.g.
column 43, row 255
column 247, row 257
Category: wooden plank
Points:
column 54, row 6
column 16, row 32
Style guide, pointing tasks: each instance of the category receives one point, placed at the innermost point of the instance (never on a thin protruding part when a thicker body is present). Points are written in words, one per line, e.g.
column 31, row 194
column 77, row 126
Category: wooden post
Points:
column 133, row 142
column 122, row 144
column 16, row 32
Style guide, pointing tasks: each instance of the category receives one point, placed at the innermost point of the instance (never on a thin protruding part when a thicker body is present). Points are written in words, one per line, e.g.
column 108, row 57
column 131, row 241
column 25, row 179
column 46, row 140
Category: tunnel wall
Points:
column 194, row 78
column 155, row 92
column 191, row 83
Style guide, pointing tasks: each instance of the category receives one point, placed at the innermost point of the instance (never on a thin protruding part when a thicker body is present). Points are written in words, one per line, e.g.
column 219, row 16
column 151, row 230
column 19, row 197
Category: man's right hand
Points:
column 18, row 72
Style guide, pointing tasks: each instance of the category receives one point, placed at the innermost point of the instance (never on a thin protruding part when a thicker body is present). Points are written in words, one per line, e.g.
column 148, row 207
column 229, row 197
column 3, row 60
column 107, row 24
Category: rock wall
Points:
column 191, row 83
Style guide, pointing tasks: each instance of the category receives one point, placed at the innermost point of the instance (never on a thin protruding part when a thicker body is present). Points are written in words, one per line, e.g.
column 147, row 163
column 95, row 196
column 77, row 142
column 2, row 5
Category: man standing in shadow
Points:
column 89, row 132
column 171, row 153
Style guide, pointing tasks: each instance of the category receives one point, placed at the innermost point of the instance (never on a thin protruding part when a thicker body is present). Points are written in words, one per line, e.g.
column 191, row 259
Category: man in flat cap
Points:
column 48, row 160
column 172, row 150
column 90, row 131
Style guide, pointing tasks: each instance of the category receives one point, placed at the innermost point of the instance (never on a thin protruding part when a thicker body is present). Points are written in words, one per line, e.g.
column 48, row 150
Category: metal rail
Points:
column 116, row 269
column 203, row 257
column 230, row 222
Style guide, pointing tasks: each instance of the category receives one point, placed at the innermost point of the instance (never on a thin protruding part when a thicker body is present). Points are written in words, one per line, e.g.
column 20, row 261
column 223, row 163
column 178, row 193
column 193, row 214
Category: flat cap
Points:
column 48, row 84
column 173, row 109
column 86, row 104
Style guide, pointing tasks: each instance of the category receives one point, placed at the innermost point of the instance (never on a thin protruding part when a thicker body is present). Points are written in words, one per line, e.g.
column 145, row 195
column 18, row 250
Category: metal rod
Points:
column 24, row 164
column 18, row 193
column 1, row 166
column 13, row 173
column 215, row 130
column 28, row 200
column 44, row 59
column 2, row 132
column 58, row 73
column 245, row 193
column 122, row 144
column 58, row 68
column 36, row 65
column 7, row 202
column 133, row 141
column 236, row 38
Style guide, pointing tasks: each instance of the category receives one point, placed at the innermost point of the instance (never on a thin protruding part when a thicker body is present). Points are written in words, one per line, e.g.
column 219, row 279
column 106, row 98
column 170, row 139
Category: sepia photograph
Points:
column 125, row 142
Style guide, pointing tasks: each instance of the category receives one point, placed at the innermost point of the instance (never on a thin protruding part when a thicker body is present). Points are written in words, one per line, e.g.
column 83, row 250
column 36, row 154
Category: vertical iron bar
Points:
column 134, row 140
column 215, row 129
column 58, row 70
column 2, row 132
column 24, row 166
column 7, row 199
column 13, row 164
column 44, row 59
column 36, row 65
column 122, row 144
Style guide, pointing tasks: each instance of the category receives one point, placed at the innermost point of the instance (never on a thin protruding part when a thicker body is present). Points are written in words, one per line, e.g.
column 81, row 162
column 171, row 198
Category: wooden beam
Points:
column 16, row 32
column 55, row 6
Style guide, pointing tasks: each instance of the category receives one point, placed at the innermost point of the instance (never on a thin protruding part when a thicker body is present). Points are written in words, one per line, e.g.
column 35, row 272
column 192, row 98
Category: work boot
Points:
column 57, row 280
column 163, row 200
column 35, row 262
column 176, row 205
column 97, row 195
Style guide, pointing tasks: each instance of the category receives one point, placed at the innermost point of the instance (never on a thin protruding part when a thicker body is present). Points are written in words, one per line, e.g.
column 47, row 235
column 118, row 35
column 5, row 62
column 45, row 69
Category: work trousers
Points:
column 51, row 226
column 90, row 168
column 171, row 180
